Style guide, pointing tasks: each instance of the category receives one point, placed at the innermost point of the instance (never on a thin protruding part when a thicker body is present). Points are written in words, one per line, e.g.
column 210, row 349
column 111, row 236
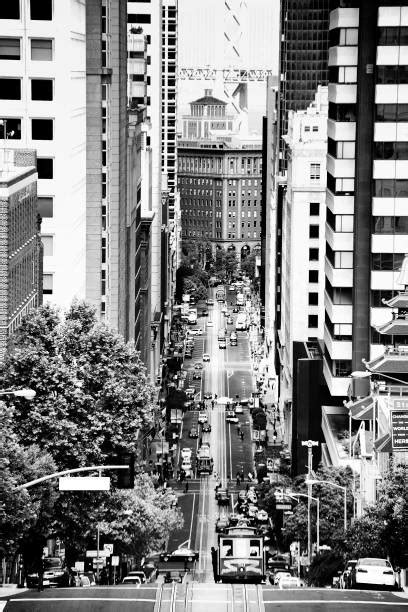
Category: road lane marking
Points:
column 80, row 599
column 333, row 601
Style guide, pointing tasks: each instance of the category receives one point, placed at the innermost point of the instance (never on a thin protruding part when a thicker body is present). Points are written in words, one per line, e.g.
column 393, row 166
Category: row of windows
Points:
column 41, row 89
column 391, row 75
column 390, row 150
column 40, row 10
column 341, row 149
column 390, row 225
column 243, row 203
column 338, row 367
column 391, row 112
column 340, row 223
column 41, row 49
column 391, row 188
column 339, row 331
column 41, row 129
column 386, row 261
column 339, row 259
column 343, row 74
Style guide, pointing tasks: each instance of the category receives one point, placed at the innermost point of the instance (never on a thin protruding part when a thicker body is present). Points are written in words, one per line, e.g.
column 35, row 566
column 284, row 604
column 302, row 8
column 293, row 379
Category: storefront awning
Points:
column 362, row 409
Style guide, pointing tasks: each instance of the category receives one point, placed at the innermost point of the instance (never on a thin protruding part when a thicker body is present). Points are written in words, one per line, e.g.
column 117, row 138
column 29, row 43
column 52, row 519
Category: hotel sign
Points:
column 399, row 429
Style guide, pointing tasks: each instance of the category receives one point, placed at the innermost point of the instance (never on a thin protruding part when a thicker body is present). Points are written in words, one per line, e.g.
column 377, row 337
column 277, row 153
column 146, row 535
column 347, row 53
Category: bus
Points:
column 241, row 555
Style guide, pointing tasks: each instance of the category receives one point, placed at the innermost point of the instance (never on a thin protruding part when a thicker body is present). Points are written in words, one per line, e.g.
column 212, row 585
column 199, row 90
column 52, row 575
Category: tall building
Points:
column 43, row 107
column 220, row 179
column 20, row 247
column 106, row 150
column 367, row 182
column 303, row 236
column 303, row 57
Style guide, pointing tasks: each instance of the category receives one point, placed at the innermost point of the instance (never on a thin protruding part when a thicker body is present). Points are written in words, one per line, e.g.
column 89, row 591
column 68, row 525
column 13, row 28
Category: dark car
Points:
column 180, row 554
column 197, row 375
column 207, row 395
column 193, row 432
column 206, row 427
column 222, row 497
column 204, row 313
column 55, row 574
column 210, row 302
column 235, row 309
column 188, row 354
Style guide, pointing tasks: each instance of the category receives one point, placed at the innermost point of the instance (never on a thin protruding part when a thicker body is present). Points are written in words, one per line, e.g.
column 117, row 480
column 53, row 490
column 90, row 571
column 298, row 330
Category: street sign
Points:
column 399, row 429
column 108, row 548
column 94, row 553
column 80, row 566
column 101, row 562
column 115, row 560
column 84, row 483
column 284, row 506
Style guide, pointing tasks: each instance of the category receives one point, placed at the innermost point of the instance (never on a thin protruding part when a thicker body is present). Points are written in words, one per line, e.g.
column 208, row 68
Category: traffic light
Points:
column 125, row 478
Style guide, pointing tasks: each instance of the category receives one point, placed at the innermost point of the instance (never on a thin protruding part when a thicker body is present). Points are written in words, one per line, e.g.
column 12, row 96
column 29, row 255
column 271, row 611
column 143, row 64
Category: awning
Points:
column 383, row 444
column 362, row 409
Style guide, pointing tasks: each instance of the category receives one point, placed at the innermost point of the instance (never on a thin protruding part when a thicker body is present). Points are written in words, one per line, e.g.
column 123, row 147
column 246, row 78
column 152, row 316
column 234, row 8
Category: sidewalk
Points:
column 9, row 590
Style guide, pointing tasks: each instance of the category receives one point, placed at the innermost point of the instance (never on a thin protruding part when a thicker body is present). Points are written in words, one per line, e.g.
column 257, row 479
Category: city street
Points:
column 227, row 374
column 197, row 597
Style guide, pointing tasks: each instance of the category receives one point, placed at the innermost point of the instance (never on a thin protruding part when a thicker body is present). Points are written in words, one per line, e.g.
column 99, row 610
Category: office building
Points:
column 303, row 235
column 303, row 58
column 20, row 246
column 367, row 229
column 220, row 179
column 43, row 107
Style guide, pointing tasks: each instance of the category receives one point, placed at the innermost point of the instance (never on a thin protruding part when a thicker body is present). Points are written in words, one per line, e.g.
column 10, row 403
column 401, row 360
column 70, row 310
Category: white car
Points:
column 262, row 516
column 202, row 417
column 231, row 418
column 282, row 576
column 206, row 357
column 290, row 582
column 239, row 409
column 186, row 466
column 186, row 454
column 132, row 581
column 373, row 571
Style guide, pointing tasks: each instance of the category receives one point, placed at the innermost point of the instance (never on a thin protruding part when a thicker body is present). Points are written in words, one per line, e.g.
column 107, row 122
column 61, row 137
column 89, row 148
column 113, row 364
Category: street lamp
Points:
column 312, row 481
column 28, row 394
column 294, row 495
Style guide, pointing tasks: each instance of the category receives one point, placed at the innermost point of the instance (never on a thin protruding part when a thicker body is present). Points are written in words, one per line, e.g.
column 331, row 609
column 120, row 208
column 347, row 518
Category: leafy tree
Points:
column 92, row 393
column 248, row 265
column 24, row 511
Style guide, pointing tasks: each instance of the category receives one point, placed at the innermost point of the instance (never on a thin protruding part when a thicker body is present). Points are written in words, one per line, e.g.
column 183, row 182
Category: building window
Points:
column 391, row 188
column 340, row 186
column 48, row 282
column 313, row 276
column 392, row 75
column 41, row 49
column 10, row 9
column 315, row 172
column 41, row 89
column 9, row 48
column 392, row 35
column 313, row 299
column 341, row 149
column 340, row 223
column 10, row 89
column 343, row 37
column 48, row 244
column 45, row 167
column 313, row 254
column 313, row 231
column 139, row 18
column 314, row 209
column 42, row 129
column 10, row 129
column 390, row 225
column 313, row 321
column 45, row 206
column 342, row 112
column 41, row 10
column 391, row 150
column 387, row 261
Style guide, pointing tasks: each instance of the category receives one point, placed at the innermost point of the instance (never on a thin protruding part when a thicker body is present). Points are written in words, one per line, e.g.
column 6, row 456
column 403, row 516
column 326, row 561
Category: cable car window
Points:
column 226, row 548
column 254, row 548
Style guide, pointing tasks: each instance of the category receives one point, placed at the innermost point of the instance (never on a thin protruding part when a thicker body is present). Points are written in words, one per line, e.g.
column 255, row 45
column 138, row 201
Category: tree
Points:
column 92, row 393
column 25, row 511
column 248, row 265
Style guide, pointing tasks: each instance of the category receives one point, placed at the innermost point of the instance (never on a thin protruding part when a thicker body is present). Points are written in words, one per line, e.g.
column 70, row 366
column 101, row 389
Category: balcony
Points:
column 342, row 93
column 338, row 277
column 343, row 168
column 340, row 204
column 343, row 56
column 344, row 18
column 338, row 313
column 339, row 241
column 341, row 130
column 337, row 385
column 389, row 243
column 338, row 349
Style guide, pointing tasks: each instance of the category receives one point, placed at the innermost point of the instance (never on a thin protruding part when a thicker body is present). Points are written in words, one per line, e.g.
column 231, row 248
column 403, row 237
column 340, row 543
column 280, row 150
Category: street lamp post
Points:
column 28, row 394
column 310, row 444
column 294, row 495
column 312, row 481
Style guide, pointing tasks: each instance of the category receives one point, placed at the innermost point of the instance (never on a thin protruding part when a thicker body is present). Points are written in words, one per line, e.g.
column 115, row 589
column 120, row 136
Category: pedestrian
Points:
column 186, row 487
column 214, row 563
column 212, row 404
column 250, row 477
column 242, row 436
column 238, row 480
column 247, row 487
column 41, row 574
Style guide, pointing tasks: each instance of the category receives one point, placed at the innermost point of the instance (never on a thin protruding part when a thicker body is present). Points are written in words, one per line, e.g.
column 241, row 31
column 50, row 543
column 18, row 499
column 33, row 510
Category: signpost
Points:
column 284, row 506
column 84, row 483
column 399, row 429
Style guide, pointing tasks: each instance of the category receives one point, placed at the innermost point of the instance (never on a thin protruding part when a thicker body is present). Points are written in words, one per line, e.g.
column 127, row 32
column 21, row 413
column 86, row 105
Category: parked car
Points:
column 202, row 417
column 134, row 581
column 204, row 313
column 186, row 467
column 207, row 394
column 197, row 375
column 193, row 433
column 206, row 357
column 206, row 428
column 230, row 321
column 231, row 417
column 374, row 572
column 190, row 392
column 239, row 409
column 198, row 365
column 55, row 574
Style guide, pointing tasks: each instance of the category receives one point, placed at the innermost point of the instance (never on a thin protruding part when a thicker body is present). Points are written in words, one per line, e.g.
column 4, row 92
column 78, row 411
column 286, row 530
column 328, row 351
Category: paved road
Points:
column 199, row 597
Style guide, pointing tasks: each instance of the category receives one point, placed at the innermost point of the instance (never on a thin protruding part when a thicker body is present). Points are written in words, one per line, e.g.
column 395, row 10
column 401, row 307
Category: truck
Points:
column 241, row 323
